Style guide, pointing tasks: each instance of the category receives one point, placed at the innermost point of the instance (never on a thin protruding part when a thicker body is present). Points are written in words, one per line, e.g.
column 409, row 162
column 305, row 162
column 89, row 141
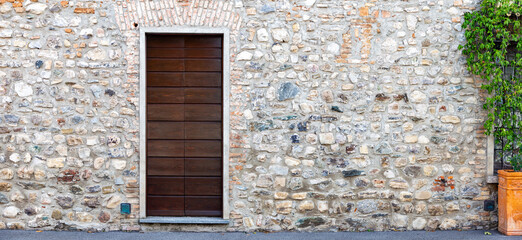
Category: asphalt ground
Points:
column 407, row 235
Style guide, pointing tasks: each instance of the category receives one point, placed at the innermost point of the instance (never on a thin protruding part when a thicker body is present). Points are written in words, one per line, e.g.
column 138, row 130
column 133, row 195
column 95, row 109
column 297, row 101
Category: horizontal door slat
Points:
column 165, row 112
column 203, row 167
column 203, row 148
column 165, row 148
column 165, row 185
column 202, row 95
column 202, row 79
column 163, row 41
column 203, row 41
column 202, row 112
column 165, row 166
column 203, row 65
column 203, row 130
column 165, row 79
column 165, row 53
column 165, row 130
column 165, row 95
column 203, row 206
column 169, row 65
column 165, row 206
column 203, row 186
column 203, row 53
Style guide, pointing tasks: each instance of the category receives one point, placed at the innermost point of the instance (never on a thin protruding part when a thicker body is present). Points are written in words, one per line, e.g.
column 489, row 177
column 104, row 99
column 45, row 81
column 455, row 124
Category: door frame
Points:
column 143, row 107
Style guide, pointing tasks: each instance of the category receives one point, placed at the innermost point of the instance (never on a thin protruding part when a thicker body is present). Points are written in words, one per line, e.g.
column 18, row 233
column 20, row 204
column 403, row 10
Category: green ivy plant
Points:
column 493, row 42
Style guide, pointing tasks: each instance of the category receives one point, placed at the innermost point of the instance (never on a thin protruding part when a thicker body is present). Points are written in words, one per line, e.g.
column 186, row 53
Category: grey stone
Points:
column 38, row 64
column 383, row 148
column 437, row 140
column 96, row 91
column 91, row 201
column 469, row 192
column 76, row 189
column 278, row 170
column 310, row 222
column 65, row 201
column 352, row 173
column 295, row 183
column 77, row 119
column 30, row 211
column 266, row 9
column 412, row 171
column 287, row 90
column 11, row 118
column 94, row 189
column 3, row 199
column 31, row 185
column 118, row 181
column 367, row 206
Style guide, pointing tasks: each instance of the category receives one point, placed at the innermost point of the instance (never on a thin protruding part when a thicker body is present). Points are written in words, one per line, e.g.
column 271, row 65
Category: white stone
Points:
column 446, row 168
column 262, row 35
column 411, row 138
column 56, row 162
column 389, row 174
column 389, row 45
column 399, row 220
column 280, row 35
column 11, row 212
column 292, row 162
column 423, row 139
column 113, row 202
column 326, row 138
column 15, row 157
column 419, row 223
column 411, row 21
column 417, row 97
column 98, row 162
column 244, row 56
column 306, row 108
column 19, row 43
column 309, row 3
column 248, row 114
column 23, row 89
column 84, row 153
column 258, row 54
column 92, row 140
column 308, row 163
column 453, row 11
column 4, row 8
column 448, row 224
column 36, row 8
column 42, row 138
column 84, row 217
column 6, row 174
column 333, row 48
column 119, row 164
column 97, row 55
column 450, row 119
column 306, row 205
column 27, row 157
column 364, row 149
column 322, row 206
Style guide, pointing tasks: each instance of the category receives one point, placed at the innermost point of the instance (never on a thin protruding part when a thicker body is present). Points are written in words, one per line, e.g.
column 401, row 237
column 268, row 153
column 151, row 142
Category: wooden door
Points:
column 184, row 125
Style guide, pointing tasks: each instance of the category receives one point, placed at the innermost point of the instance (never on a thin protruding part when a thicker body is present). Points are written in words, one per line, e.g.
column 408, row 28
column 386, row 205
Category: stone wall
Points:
column 345, row 115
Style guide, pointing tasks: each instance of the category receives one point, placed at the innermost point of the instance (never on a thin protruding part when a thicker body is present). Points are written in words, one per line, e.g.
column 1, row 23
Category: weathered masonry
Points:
column 241, row 115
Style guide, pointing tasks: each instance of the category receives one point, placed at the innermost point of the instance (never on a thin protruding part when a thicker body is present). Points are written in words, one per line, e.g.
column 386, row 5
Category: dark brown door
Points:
column 184, row 125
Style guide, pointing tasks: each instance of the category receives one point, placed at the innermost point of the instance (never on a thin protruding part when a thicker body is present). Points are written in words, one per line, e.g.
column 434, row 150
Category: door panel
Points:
column 184, row 125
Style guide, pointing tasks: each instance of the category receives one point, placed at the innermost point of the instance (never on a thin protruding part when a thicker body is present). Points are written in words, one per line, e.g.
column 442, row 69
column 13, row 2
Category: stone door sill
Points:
column 185, row 220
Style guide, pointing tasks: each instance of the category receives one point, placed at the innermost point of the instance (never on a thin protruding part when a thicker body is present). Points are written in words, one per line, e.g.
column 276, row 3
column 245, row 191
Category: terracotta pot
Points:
column 510, row 202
